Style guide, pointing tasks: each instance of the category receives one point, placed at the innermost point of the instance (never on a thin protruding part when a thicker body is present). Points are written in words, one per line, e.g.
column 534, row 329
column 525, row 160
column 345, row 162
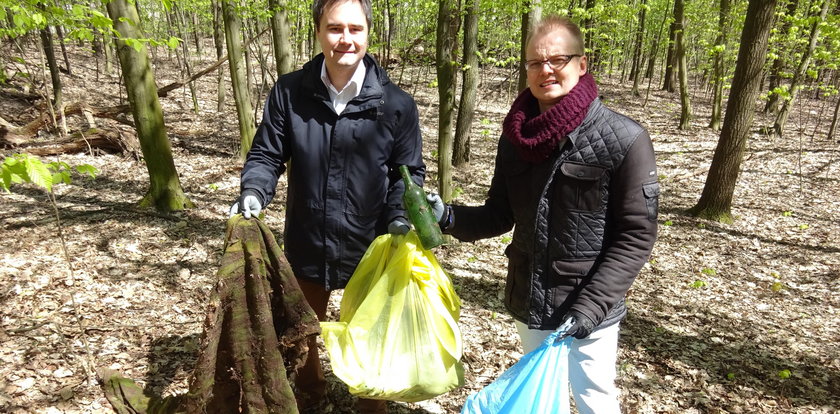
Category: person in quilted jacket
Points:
column 577, row 183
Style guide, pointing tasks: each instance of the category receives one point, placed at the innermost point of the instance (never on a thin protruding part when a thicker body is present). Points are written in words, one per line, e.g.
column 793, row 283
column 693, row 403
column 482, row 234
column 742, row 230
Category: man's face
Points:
column 549, row 85
column 343, row 35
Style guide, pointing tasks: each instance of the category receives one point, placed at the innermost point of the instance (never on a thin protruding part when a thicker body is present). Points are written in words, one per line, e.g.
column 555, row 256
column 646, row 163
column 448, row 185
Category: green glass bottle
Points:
column 420, row 213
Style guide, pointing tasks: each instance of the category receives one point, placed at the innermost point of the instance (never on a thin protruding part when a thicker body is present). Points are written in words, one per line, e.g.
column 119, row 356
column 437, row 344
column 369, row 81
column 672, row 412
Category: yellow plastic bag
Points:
column 397, row 337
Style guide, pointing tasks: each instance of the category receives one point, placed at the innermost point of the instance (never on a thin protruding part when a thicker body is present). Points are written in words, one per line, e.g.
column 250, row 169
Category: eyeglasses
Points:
column 557, row 62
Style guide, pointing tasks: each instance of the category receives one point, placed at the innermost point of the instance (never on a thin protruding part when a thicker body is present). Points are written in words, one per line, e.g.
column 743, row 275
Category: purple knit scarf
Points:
column 537, row 135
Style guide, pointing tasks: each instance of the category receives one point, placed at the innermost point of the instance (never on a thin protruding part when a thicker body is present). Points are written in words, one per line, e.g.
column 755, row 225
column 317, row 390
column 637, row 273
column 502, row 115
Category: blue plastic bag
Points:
column 537, row 384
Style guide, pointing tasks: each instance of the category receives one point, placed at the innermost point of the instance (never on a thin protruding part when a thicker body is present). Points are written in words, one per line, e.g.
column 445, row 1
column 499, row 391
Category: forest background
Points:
column 123, row 126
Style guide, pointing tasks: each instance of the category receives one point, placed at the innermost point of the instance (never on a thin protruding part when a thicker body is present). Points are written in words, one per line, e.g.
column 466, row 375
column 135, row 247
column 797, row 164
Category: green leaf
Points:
column 135, row 43
column 698, row 284
column 38, row 173
column 62, row 176
column 39, row 20
column 173, row 42
column 21, row 20
column 784, row 374
column 87, row 169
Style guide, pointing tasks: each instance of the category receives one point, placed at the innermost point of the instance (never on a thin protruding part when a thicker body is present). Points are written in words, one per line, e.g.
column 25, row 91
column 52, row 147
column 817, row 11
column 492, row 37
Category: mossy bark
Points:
column 165, row 192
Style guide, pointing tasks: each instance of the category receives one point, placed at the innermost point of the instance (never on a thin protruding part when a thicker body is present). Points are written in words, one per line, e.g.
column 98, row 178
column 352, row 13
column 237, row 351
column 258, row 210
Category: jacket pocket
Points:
column 579, row 188
column 651, row 192
column 517, row 295
column 567, row 279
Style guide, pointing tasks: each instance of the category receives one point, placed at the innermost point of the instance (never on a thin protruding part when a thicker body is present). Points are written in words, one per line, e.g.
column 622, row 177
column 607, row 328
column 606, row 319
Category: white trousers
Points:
column 591, row 367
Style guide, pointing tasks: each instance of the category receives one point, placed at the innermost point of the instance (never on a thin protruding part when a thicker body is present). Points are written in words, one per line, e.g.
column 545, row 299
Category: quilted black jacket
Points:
column 584, row 221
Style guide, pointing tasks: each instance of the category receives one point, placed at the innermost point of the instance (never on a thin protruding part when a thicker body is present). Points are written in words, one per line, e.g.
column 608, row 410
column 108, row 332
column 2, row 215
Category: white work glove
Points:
column 248, row 204
column 437, row 205
column 398, row 227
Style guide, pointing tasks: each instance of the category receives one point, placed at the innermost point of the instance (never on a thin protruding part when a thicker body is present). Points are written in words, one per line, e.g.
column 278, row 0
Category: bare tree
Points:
column 716, row 200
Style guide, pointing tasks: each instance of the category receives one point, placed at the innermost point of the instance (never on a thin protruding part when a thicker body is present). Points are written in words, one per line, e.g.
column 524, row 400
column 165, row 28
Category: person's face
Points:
column 548, row 78
column 343, row 35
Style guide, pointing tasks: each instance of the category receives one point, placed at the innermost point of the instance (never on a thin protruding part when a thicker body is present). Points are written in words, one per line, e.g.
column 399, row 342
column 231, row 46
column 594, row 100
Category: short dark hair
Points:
column 553, row 22
column 318, row 7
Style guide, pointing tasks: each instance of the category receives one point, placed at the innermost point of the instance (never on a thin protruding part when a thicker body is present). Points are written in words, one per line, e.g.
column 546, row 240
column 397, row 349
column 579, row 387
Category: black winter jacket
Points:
column 344, row 184
column 584, row 220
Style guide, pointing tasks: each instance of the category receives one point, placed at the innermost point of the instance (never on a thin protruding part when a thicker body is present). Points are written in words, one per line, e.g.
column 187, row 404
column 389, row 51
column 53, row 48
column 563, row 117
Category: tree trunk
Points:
column 182, row 24
column 775, row 75
column 447, row 38
column 685, row 101
column 107, row 45
column 637, row 49
column 716, row 200
column 801, row 71
column 49, row 53
column 469, row 86
column 391, row 21
column 238, row 77
column 531, row 16
column 165, row 192
column 281, row 35
column 833, row 129
column 195, row 33
column 669, row 80
column 60, row 34
column 719, row 71
column 589, row 42
column 219, row 43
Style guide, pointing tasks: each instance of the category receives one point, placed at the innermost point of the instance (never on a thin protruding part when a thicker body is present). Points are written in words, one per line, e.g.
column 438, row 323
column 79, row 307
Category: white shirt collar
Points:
column 341, row 98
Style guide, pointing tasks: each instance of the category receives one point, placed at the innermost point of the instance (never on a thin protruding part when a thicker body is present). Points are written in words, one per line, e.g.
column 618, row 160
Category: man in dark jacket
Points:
column 577, row 183
column 342, row 129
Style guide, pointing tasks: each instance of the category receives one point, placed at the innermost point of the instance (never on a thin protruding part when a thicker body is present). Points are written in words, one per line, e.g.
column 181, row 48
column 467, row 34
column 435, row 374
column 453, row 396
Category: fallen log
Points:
column 108, row 140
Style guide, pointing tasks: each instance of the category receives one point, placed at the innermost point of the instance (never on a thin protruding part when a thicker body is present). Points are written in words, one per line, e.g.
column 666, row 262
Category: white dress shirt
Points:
column 350, row 91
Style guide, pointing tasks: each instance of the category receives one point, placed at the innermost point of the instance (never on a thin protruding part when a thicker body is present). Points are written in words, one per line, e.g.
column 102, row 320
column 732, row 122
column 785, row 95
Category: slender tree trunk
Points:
column 685, row 99
column 107, row 47
column 637, row 49
column 196, row 33
column 60, row 34
column 531, row 16
column 716, row 200
column 801, row 71
column 238, row 77
column 655, row 55
column 390, row 20
column 49, row 53
column 669, row 80
column 447, row 35
column 833, row 129
column 775, row 75
column 469, row 86
column 165, row 192
column 182, row 23
column 281, row 35
column 719, row 71
column 219, row 43
column 588, row 38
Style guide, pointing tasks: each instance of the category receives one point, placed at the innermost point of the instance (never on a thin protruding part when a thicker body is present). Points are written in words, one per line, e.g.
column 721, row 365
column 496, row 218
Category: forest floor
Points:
column 738, row 318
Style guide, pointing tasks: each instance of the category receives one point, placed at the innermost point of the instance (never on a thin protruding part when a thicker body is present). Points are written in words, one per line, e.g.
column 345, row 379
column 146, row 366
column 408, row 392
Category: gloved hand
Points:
column 575, row 324
column 249, row 203
column 437, row 206
column 398, row 227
